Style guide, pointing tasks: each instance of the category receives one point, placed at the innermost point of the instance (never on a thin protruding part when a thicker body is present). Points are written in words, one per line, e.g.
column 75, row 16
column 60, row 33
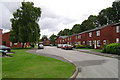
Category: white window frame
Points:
column 15, row 43
column 83, row 42
column 90, row 34
column 98, row 43
column 117, row 40
column 10, row 44
column 98, row 33
column 76, row 37
column 117, row 29
column 79, row 36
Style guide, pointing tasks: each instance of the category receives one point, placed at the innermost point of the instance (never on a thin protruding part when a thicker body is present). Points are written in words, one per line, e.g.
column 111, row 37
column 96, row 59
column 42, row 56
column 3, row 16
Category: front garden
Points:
column 27, row 65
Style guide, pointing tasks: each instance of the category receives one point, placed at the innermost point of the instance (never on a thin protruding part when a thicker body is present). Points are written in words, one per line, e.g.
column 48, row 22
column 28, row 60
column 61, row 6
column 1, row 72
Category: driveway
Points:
column 92, row 66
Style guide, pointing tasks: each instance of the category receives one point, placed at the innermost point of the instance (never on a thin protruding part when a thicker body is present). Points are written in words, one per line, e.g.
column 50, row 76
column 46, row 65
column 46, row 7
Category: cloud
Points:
column 56, row 14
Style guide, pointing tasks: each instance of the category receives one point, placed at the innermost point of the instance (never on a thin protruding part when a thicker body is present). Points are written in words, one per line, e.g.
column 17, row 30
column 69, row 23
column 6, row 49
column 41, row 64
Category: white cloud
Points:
column 58, row 14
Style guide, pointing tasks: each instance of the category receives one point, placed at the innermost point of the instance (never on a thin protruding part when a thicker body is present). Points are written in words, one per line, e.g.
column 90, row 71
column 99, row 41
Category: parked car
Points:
column 68, row 47
column 5, row 48
column 59, row 45
column 40, row 46
column 63, row 46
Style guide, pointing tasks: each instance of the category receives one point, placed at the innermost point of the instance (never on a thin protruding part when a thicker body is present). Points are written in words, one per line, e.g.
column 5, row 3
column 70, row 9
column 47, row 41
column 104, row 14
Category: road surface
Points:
column 92, row 66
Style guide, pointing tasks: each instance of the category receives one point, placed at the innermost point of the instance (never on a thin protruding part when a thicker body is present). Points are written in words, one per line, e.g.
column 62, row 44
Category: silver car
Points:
column 40, row 46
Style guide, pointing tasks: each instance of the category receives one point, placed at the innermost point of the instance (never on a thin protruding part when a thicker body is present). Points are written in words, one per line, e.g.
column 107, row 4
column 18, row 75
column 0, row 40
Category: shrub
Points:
column 111, row 48
column 80, row 46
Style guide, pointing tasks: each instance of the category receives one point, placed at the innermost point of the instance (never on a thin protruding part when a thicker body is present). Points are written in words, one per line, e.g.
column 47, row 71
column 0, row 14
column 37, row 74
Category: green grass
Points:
column 97, row 50
column 27, row 65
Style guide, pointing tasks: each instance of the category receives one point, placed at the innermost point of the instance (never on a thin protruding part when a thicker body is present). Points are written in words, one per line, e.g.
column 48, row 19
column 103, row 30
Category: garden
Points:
column 27, row 65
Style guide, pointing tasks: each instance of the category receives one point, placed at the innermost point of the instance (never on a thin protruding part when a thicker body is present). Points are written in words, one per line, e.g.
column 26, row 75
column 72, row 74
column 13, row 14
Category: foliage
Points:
column 52, row 39
column 65, row 32
column 4, row 43
column 105, row 16
column 24, row 24
column 80, row 46
column 111, row 48
column 44, row 37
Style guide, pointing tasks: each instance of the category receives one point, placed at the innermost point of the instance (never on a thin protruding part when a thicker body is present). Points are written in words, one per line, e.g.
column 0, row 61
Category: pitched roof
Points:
column 63, row 37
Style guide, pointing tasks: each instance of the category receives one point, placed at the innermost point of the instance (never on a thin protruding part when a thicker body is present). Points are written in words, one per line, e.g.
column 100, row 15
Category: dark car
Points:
column 5, row 48
column 68, row 47
column 40, row 46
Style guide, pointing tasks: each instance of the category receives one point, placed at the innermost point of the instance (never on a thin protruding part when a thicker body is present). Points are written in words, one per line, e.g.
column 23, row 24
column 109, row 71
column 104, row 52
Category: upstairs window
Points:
column 98, row 33
column 90, row 34
column 117, row 29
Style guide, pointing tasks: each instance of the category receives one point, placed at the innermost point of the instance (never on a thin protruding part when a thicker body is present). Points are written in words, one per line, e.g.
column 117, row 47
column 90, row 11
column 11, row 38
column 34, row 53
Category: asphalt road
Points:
column 92, row 66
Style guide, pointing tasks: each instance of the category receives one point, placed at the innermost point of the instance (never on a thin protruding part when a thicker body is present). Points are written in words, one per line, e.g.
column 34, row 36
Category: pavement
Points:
column 91, row 66
column 98, row 53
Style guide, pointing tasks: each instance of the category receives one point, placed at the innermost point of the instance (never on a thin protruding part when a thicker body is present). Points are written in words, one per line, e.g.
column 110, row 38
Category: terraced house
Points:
column 96, row 38
column 6, row 41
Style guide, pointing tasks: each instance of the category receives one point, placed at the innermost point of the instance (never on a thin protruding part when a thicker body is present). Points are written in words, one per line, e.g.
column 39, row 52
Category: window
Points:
column 76, row 37
column 15, row 43
column 104, row 42
column 98, row 33
column 83, row 42
column 90, row 43
column 79, row 36
column 117, row 29
column 90, row 34
column 10, row 43
column 79, row 42
column 98, row 43
column 117, row 40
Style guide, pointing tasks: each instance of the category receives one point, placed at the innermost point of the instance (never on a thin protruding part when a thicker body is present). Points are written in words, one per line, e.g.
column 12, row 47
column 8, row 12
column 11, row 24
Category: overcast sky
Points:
column 56, row 14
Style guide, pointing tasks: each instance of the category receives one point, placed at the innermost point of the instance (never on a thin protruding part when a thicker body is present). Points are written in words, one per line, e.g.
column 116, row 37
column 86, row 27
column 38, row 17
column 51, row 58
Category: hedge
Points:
column 111, row 48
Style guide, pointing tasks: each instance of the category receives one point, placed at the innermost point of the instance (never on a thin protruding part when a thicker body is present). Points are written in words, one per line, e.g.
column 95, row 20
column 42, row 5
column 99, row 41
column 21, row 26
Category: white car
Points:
column 40, row 46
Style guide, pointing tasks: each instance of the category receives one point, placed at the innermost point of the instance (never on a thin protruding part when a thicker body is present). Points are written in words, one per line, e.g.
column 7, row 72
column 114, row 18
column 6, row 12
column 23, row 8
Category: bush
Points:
column 80, row 46
column 111, row 48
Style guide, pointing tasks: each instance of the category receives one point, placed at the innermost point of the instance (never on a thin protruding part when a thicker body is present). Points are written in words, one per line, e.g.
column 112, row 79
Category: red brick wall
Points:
column 0, row 36
column 46, row 42
column 5, row 37
column 115, row 34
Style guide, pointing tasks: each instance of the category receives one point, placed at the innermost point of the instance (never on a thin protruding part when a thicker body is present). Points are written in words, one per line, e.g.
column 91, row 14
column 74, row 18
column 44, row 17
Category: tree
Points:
column 75, row 29
column 116, row 8
column 65, row 32
column 44, row 37
column 52, row 39
column 24, row 24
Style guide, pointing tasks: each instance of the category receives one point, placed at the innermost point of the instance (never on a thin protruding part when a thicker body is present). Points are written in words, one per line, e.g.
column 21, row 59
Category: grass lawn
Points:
column 97, row 50
column 27, row 65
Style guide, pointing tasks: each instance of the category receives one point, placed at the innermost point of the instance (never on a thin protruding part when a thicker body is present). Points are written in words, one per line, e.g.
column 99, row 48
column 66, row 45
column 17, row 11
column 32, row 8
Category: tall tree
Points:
column 116, row 8
column 44, row 37
column 24, row 24
column 52, row 39
column 76, row 29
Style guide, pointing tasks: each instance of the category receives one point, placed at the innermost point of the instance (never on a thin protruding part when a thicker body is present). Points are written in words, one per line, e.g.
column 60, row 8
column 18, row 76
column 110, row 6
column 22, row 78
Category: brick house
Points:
column 6, row 42
column 0, row 36
column 95, row 38
column 61, row 40
column 46, row 42
column 116, row 33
